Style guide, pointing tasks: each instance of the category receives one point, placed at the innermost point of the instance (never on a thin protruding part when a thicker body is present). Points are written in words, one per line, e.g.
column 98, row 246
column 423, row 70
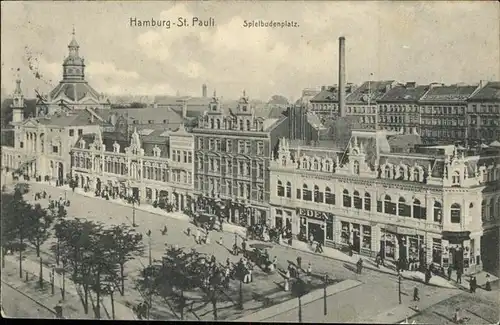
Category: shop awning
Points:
column 456, row 236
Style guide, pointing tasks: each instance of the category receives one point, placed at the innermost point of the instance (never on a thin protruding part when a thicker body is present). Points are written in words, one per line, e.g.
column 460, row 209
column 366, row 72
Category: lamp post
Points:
column 133, row 213
column 300, row 308
column 149, row 242
column 399, row 287
column 240, row 301
column 324, row 295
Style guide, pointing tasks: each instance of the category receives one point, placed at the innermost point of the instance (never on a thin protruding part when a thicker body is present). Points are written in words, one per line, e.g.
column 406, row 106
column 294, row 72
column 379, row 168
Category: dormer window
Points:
column 455, row 178
column 327, row 166
column 304, row 163
column 356, row 167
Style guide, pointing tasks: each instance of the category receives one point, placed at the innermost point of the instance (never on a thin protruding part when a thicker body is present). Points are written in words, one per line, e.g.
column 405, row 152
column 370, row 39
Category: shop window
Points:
column 318, row 196
column 437, row 251
column 329, row 228
column 280, row 189
column 438, row 212
column 455, row 213
column 358, row 203
column 306, row 193
column 403, row 208
column 389, row 206
column 367, row 237
column 329, row 196
column 278, row 221
column 346, row 199
column 418, row 211
column 345, row 233
column 368, row 202
column 288, row 190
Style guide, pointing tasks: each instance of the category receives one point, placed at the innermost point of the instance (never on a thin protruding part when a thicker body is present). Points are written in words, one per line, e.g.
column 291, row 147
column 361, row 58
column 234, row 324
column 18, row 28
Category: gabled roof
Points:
column 73, row 118
column 403, row 93
column 326, row 95
column 369, row 91
column 448, row 93
column 490, row 92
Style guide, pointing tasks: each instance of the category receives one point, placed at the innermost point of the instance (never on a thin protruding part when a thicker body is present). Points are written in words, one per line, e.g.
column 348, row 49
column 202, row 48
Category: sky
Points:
column 425, row 42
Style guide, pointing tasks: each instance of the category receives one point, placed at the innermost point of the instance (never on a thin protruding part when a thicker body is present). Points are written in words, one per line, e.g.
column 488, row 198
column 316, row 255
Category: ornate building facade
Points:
column 232, row 154
column 483, row 113
column 424, row 206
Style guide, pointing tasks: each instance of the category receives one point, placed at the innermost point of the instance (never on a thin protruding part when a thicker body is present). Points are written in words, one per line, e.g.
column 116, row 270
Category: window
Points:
column 229, row 145
column 200, row 143
column 483, row 210
column 367, row 237
column 345, row 234
column 356, row 167
column 164, row 121
column 327, row 166
column 247, row 146
column 260, row 170
column 248, row 125
column 403, row 208
column 401, row 173
column 387, row 172
column 358, row 203
column 368, row 202
column 241, row 125
column 318, row 195
column 218, row 123
column 306, row 193
column 71, row 132
column 55, row 149
column 241, row 146
column 211, row 144
column 389, row 207
column 304, row 163
column 288, row 189
column 455, row 213
column 438, row 212
column 416, row 175
column 190, row 157
column 455, row 179
column 150, row 121
column 418, row 210
column 184, row 154
column 315, row 164
column 21, row 144
column 329, row 228
column 260, row 148
column 217, row 145
column 80, row 132
column 346, row 199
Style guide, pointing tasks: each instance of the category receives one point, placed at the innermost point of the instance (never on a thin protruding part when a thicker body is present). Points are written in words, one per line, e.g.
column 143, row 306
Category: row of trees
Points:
column 95, row 255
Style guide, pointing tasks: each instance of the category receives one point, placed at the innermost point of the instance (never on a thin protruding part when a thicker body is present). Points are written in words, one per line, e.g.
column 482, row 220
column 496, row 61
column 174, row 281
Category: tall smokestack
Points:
column 341, row 88
column 204, row 91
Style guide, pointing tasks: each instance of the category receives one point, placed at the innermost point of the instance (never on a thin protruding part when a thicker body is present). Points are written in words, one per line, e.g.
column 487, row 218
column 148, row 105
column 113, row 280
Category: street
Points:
column 378, row 293
column 17, row 305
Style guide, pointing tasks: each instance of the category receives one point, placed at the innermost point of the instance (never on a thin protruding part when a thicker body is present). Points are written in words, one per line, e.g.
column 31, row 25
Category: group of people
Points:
column 41, row 195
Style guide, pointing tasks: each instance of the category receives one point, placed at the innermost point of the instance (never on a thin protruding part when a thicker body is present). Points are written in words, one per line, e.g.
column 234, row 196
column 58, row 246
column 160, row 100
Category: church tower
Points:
column 73, row 65
column 18, row 103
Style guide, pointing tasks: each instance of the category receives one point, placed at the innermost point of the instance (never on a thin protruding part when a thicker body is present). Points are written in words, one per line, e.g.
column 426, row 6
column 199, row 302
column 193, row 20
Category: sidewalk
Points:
column 121, row 312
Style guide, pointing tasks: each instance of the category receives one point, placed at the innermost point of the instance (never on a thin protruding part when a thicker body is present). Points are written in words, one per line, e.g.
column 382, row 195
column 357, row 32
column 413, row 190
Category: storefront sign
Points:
column 314, row 214
column 406, row 231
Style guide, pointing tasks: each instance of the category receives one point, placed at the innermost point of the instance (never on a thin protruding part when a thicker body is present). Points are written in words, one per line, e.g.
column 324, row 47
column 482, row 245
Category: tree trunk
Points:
column 4, row 251
column 38, row 244
column 57, row 252
column 86, row 292
column 122, row 270
column 214, row 305
column 112, row 304
column 21, row 256
column 98, row 293
column 183, row 304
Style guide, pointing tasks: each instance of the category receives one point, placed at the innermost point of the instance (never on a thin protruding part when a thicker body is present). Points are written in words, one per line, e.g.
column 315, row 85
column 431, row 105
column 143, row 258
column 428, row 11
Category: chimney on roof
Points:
column 204, row 90
column 341, row 89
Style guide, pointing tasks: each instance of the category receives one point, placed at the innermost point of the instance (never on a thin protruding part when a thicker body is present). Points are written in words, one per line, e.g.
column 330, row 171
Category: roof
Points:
column 448, row 93
column 326, row 95
column 156, row 114
column 29, row 108
column 490, row 92
column 74, row 118
column 377, row 89
column 402, row 93
column 74, row 90
column 403, row 142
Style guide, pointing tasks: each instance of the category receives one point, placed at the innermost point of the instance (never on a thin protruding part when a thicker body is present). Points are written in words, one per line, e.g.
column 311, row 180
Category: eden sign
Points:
column 314, row 214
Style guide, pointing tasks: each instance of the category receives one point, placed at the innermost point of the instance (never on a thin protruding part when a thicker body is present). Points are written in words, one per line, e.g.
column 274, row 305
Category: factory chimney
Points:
column 342, row 83
column 204, row 90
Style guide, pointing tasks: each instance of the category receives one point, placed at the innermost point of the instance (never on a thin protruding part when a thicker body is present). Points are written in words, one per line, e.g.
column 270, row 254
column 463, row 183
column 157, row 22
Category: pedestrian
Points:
column 207, row 238
column 244, row 247
column 197, row 237
column 299, row 262
column 459, row 275
column 309, row 269
column 487, row 286
column 456, row 318
column 188, row 232
column 472, row 284
column 221, row 241
column 287, row 274
column 275, row 263
column 359, row 265
column 428, row 276
column 377, row 260
column 319, row 248
column 450, row 269
column 311, row 239
column 415, row 294
column 287, row 285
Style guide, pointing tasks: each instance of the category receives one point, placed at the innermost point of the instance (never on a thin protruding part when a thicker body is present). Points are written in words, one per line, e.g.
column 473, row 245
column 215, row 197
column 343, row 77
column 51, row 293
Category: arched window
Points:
column 248, row 125
column 327, row 166
column 318, row 196
column 241, row 125
column 218, row 123
column 315, row 164
column 281, row 189
column 368, row 202
column 418, row 211
column 438, row 212
column 288, row 189
column 346, row 199
column 283, row 160
column 416, row 175
column 304, row 163
column 402, row 173
column 329, row 196
column 389, row 206
column 455, row 213
column 403, row 208
column 306, row 193
column 387, row 172
column 358, row 203
column 211, row 123
column 356, row 167
column 455, row 179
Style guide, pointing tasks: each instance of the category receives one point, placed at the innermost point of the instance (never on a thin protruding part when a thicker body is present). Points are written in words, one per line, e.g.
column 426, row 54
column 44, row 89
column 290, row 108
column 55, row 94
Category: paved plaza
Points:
column 376, row 296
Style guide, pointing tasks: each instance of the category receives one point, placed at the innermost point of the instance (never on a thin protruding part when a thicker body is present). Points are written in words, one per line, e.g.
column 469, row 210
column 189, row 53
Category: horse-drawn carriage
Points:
column 205, row 220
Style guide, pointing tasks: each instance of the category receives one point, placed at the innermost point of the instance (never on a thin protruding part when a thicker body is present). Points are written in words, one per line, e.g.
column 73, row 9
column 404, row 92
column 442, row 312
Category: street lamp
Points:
column 149, row 240
column 240, row 301
column 324, row 295
column 399, row 287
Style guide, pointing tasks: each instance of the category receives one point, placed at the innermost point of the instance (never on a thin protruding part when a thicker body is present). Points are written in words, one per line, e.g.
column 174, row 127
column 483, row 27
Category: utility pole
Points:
column 300, row 308
column 240, row 302
column 149, row 241
column 324, row 295
column 399, row 287
column 133, row 213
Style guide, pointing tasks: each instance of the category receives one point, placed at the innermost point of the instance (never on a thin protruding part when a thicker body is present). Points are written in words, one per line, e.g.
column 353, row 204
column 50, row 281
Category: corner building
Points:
column 423, row 204
column 233, row 148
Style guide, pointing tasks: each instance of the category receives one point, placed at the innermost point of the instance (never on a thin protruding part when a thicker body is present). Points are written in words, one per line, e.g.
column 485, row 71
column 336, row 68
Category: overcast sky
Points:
column 422, row 42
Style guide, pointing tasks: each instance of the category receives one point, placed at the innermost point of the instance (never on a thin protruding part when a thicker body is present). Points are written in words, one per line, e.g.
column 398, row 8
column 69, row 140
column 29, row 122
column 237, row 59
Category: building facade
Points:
column 422, row 206
column 483, row 113
column 233, row 148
